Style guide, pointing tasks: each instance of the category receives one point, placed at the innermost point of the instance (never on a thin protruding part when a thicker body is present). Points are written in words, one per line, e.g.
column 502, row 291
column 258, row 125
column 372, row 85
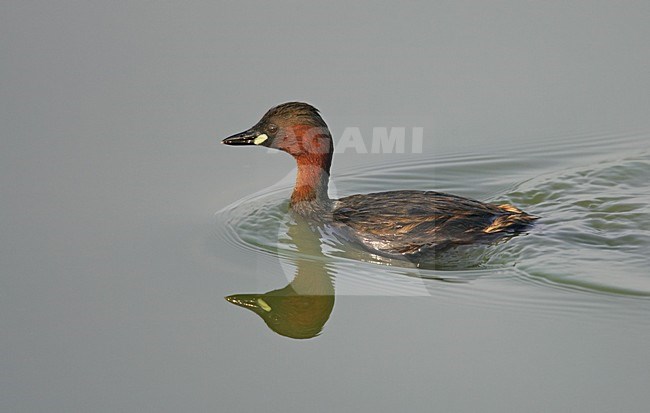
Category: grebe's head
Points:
column 294, row 127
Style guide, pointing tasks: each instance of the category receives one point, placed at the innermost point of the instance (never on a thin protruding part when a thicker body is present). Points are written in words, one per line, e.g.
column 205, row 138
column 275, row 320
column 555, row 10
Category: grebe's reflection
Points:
column 301, row 309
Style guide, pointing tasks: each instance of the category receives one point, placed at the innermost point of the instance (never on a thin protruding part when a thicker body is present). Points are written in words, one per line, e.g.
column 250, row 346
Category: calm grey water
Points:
column 124, row 223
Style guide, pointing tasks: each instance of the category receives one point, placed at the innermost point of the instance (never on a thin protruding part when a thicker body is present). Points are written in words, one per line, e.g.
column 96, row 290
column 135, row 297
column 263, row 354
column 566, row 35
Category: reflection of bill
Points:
column 301, row 309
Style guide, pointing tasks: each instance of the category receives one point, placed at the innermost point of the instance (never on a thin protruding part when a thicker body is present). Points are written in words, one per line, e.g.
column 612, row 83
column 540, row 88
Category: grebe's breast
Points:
column 411, row 222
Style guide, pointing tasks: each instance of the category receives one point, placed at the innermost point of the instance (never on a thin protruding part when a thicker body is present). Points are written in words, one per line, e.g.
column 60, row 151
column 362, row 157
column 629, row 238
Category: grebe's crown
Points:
column 296, row 113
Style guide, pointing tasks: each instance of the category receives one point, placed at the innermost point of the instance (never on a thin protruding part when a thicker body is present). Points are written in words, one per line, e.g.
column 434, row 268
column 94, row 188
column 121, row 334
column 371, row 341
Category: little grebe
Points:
column 402, row 224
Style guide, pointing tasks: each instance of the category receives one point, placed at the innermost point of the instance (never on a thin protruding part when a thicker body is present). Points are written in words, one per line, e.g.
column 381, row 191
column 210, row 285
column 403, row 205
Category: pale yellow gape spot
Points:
column 263, row 303
column 260, row 139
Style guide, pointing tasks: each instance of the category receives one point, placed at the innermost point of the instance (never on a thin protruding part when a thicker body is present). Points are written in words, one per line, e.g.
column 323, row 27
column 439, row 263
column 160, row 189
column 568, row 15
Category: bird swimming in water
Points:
column 406, row 224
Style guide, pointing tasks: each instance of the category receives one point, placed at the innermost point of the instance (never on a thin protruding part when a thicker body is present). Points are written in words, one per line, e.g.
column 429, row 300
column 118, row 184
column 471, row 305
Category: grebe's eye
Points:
column 272, row 128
